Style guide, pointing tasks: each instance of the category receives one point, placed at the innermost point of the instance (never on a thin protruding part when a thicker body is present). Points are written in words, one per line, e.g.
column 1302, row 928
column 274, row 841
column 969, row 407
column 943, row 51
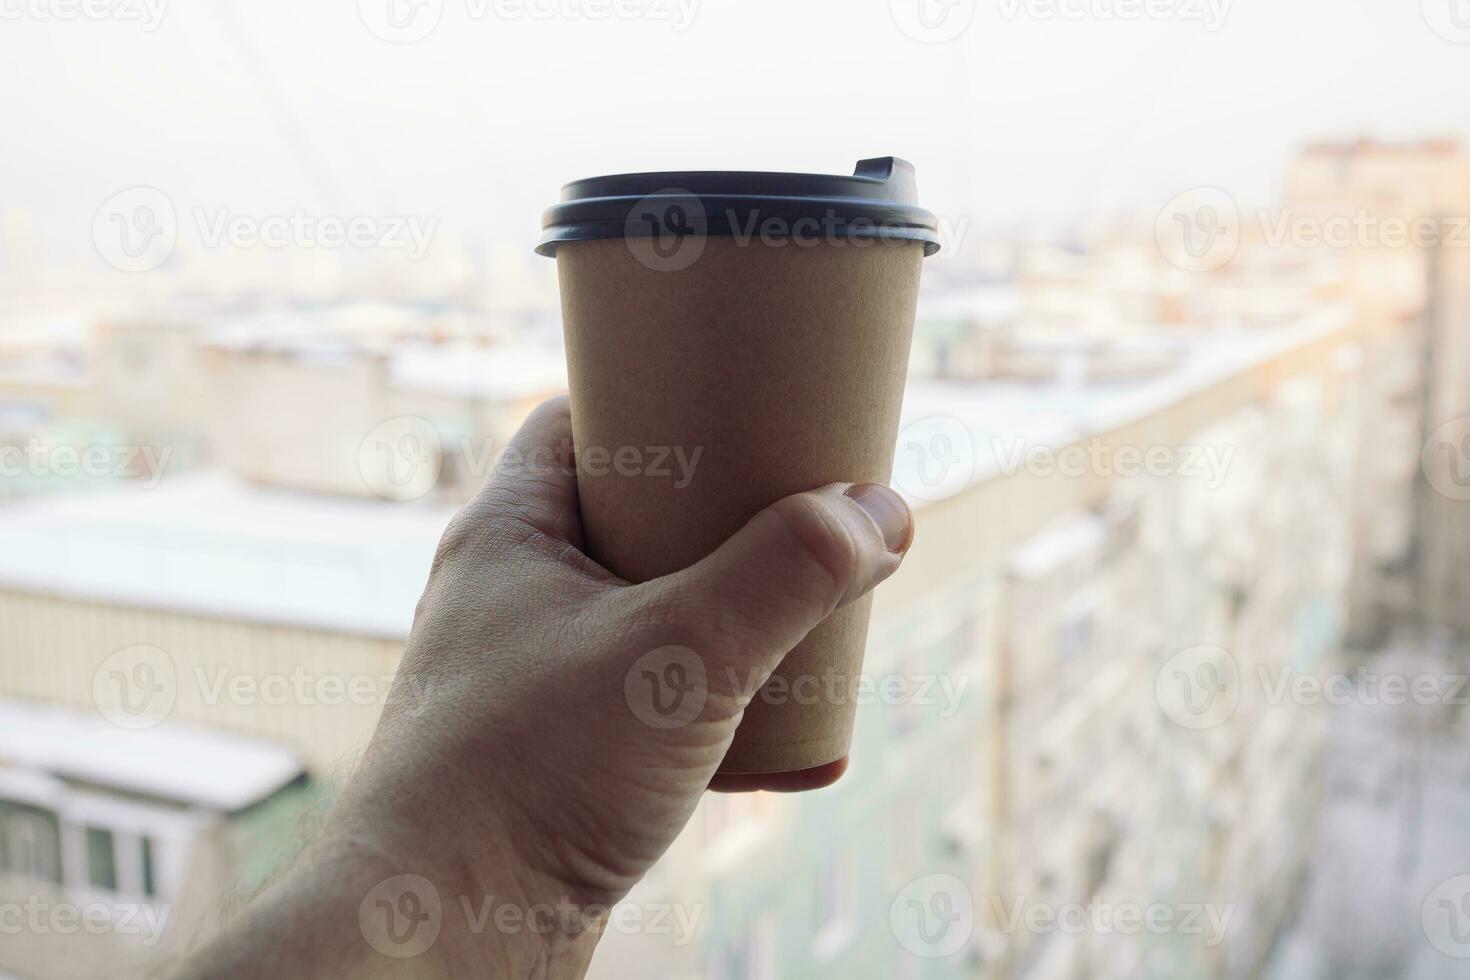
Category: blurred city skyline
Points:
column 1185, row 433
column 1037, row 118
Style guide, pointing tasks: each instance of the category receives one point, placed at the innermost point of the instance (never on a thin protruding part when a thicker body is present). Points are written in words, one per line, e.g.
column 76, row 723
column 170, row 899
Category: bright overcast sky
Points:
column 1023, row 119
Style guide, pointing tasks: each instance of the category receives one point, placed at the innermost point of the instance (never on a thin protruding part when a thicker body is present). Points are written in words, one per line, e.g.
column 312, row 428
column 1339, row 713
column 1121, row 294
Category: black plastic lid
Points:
column 879, row 201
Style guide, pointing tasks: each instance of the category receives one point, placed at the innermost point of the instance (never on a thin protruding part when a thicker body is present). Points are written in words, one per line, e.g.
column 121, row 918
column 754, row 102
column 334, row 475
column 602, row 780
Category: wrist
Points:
column 443, row 884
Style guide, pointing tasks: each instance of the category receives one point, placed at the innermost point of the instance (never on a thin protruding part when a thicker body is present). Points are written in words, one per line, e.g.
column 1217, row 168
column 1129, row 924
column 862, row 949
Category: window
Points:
column 145, row 860
column 101, row 859
column 763, row 958
column 960, row 643
column 905, row 844
column 902, row 713
column 1075, row 636
column 30, row 842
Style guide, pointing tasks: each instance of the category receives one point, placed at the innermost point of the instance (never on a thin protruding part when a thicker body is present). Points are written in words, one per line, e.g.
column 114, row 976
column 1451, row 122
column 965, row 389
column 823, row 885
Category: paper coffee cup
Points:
column 733, row 338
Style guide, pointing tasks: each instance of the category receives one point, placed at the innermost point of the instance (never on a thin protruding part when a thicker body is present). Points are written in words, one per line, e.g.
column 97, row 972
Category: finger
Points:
column 786, row 570
column 535, row 478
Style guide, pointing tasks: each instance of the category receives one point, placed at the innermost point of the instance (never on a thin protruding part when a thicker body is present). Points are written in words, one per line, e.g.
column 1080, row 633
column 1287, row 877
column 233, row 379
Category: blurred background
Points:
column 1173, row 682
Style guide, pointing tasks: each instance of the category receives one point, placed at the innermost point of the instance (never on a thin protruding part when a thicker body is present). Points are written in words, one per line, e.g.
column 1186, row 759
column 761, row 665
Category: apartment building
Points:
column 1025, row 625
column 1052, row 604
column 339, row 400
column 1414, row 292
column 119, row 844
column 1086, row 637
column 332, row 415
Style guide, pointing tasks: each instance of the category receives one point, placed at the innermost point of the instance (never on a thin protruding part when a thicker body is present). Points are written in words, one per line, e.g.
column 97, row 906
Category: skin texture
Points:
column 510, row 762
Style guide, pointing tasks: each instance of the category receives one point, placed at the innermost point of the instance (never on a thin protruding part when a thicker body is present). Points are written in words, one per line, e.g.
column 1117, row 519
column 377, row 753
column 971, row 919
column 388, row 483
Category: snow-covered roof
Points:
column 215, row 545
column 991, row 425
column 992, row 302
column 361, row 321
column 503, row 371
column 170, row 761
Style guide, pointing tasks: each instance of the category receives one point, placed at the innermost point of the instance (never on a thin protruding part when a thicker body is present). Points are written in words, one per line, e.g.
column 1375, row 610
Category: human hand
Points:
column 512, row 758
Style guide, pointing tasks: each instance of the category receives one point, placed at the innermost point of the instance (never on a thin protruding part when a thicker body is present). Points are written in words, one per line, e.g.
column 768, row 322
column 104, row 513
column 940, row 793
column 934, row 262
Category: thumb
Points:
column 790, row 566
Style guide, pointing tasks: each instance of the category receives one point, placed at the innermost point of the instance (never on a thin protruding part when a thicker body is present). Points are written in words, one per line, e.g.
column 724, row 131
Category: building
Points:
column 338, row 400
column 1125, row 537
column 249, row 589
column 1414, row 293
column 117, row 844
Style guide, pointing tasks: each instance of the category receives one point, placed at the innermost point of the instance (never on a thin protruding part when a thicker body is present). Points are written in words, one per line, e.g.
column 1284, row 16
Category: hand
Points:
column 511, row 761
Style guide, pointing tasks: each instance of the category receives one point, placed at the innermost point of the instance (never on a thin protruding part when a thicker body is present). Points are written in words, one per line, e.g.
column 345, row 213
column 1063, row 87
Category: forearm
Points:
column 357, row 905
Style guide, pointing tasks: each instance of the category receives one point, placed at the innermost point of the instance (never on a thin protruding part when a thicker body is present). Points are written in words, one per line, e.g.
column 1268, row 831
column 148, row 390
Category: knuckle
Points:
column 469, row 532
column 454, row 539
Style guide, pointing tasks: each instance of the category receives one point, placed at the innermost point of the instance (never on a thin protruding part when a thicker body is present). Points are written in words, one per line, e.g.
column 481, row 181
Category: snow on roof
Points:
column 214, row 545
column 361, row 321
column 170, row 761
column 999, row 421
column 502, row 371
column 45, row 331
column 991, row 302
column 505, row 370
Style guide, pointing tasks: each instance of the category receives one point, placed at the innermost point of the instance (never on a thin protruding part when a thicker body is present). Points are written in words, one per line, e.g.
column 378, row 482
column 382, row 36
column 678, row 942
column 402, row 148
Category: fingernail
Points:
column 888, row 511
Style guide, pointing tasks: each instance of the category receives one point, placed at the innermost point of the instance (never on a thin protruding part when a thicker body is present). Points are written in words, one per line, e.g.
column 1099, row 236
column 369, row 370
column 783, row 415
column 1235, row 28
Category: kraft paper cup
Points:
column 719, row 363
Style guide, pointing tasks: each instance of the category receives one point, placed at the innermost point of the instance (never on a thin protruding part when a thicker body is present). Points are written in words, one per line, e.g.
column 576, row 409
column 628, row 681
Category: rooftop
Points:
column 170, row 761
column 520, row 370
column 505, row 370
column 1002, row 418
column 214, row 545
